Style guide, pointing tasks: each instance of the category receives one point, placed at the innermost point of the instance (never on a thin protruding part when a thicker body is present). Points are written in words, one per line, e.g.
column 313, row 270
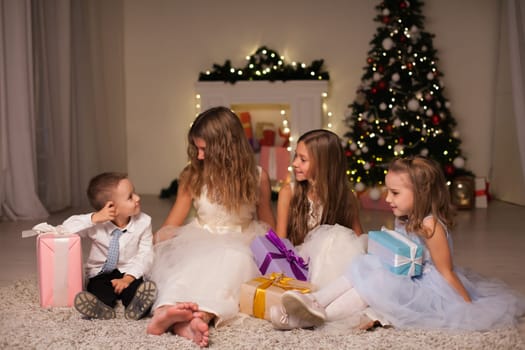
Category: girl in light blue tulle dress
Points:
column 199, row 265
column 443, row 296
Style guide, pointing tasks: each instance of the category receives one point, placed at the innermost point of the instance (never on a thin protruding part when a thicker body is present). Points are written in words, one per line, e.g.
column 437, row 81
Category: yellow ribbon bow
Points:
column 275, row 279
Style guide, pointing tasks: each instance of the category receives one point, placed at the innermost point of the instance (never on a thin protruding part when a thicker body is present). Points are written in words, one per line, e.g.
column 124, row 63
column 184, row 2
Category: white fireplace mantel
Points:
column 304, row 98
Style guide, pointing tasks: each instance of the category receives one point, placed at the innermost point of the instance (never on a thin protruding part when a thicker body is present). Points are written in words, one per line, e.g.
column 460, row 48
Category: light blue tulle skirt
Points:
column 428, row 301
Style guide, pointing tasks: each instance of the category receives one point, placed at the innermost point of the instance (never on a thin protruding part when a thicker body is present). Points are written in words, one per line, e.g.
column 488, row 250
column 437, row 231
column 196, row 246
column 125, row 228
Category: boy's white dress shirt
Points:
column 135, row 245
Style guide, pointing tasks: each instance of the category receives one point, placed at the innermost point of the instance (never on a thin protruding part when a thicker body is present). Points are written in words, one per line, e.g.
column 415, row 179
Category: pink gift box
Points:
column 59, row 259
column 275, row 161
column 274, row 254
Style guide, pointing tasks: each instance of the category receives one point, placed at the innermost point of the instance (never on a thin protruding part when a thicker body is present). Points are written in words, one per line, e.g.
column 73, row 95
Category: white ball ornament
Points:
column 397, row 122
column 424, row 152
column 382, row 106
column 459, row 162
column 353, row 146
column 429, row 112
column 386, row 12
column 430, row 76
column 359, row 187
column 395, row 77
column 388, row 44
column 376, row 76
column 381, row 141
column 366, row 166
column 447, row 104
column 413, row 105
column 374, row 193
column 455, row 134
column 364, row 149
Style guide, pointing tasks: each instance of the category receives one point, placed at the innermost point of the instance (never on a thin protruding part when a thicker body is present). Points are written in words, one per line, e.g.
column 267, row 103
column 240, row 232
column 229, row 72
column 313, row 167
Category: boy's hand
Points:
column 119, row 284
column 108, row 213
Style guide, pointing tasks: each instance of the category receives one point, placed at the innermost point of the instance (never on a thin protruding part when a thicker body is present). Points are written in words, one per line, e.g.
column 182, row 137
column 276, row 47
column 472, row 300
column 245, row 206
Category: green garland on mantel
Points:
column 266, row 64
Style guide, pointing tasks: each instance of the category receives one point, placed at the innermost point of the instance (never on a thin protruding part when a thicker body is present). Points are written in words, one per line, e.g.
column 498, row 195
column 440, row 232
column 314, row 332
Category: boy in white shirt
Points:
column 121, row 243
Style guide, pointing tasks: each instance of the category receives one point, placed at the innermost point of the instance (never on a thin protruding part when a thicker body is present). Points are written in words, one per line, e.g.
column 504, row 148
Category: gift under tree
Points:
column 400, row 108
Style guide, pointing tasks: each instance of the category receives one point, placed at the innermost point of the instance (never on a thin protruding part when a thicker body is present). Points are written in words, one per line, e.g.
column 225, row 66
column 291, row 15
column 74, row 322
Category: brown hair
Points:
column 330, row 186
column 101, row 188
column 229, row 171
column 431, row 193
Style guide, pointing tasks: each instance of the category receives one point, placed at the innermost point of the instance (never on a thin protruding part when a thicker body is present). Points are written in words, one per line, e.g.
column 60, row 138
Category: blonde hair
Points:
column 431, row 193
column 229, row 171
column 329, row 186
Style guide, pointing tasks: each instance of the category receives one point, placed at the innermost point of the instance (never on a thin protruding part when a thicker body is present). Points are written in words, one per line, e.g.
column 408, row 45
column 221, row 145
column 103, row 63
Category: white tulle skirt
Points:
column 330, row 250
column 203, row 267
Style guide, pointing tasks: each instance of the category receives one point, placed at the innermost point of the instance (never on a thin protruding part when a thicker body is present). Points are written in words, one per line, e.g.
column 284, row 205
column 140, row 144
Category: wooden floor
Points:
column 490, row 241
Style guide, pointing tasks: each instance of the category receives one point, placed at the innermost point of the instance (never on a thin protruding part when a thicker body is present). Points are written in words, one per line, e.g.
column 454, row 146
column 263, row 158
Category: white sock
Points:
column 348, row 304
column 332, row 291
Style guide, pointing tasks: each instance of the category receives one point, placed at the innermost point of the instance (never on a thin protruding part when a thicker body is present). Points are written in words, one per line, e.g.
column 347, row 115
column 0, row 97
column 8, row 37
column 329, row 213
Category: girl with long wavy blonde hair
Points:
column 206, row 260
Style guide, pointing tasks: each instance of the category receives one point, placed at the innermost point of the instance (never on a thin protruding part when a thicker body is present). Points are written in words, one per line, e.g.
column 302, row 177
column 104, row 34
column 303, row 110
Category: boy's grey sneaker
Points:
column 142, row 301
column 89, row 305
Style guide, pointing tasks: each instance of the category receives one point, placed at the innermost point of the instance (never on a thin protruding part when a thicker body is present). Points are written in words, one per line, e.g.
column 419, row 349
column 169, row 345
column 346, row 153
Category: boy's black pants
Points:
column 100, row 286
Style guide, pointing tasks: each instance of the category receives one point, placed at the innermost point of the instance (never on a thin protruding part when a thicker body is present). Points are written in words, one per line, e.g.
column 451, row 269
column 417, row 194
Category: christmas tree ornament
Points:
column 359, row 187
column 374, row 193
column 395, row 77
column 388, row 44
column 413, row 105
column 459, row 162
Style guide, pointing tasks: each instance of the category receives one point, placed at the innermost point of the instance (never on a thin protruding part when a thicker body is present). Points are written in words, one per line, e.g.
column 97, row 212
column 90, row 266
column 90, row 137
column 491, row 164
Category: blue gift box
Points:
column 400, row 255
column 273, row 254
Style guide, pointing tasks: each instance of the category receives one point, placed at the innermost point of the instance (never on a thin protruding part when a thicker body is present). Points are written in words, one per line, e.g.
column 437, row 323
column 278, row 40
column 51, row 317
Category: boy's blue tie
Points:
column 113, row 251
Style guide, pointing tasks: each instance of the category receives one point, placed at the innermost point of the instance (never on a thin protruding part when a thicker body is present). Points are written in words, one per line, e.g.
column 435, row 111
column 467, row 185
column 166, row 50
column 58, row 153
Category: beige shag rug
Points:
column 25, row 325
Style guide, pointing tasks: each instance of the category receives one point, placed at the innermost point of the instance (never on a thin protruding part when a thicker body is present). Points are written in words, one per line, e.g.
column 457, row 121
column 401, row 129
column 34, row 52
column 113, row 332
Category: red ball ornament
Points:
column 436, row 119
column 402, row 38
column 370, row 60
column 388, row 127
column 402, row 4
column 381, row 85
column 401, row 140
column 449, row 169
column 409, row 65
column 373, row 90
column 381, row 69
column 386, row 19
column 348, row 153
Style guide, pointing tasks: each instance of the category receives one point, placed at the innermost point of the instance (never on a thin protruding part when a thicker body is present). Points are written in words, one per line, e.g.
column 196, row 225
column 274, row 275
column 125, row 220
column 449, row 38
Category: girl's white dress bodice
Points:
column 208, row 259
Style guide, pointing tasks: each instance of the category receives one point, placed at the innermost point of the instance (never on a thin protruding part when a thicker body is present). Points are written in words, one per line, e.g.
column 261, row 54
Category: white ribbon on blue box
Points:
column 401, row 255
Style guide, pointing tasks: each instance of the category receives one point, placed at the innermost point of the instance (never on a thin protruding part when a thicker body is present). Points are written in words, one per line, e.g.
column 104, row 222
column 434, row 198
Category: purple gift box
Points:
column 274, row 254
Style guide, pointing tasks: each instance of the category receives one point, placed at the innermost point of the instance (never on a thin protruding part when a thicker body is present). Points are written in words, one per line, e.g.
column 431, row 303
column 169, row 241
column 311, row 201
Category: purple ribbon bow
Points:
column 297, row 263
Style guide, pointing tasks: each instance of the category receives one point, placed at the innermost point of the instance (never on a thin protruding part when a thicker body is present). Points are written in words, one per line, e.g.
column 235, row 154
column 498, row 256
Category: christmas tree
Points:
column 399, row 108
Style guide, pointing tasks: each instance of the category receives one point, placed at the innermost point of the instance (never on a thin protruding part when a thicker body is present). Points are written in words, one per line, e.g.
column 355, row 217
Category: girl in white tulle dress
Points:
column 318, row 211
column 442, row 297
column 199, row 266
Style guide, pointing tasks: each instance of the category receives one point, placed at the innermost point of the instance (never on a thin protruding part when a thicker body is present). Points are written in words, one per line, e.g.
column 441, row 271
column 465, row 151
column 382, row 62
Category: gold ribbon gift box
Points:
column 260, row 294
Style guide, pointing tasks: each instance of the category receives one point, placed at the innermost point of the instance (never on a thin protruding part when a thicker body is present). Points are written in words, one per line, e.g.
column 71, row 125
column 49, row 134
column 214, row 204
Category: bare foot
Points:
column 196, row 330
column 166, row 316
